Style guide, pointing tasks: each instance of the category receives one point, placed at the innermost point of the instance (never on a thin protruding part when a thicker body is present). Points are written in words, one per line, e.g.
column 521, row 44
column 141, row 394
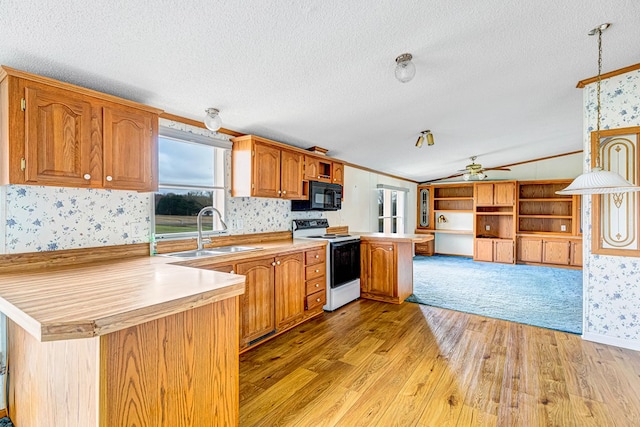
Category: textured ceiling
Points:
column 494, row 78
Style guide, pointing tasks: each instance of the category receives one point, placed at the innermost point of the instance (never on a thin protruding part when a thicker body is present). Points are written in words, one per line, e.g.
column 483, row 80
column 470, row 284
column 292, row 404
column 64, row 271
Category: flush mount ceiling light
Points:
column 598, row 181
column 405, row 69
column 425, row 134
column 212, row 120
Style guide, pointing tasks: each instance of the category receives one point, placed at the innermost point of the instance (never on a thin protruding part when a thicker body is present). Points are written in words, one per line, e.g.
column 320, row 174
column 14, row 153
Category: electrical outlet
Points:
column 563, row 227
column 487, row 227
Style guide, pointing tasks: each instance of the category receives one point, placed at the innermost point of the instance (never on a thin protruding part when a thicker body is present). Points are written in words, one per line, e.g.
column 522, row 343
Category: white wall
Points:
column 360, row 206
column 611, row 284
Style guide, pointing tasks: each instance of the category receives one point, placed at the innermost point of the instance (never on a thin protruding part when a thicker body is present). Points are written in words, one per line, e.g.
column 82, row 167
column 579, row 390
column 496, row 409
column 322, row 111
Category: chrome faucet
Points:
column 199, row 224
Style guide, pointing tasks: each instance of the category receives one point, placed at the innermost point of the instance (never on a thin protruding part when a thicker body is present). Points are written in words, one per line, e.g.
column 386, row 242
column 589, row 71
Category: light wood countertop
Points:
column 87, row 300
column 395, row 237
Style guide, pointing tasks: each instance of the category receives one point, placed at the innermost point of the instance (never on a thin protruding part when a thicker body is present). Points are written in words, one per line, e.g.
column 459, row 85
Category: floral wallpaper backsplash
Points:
column 611, row 283
column 39, row 218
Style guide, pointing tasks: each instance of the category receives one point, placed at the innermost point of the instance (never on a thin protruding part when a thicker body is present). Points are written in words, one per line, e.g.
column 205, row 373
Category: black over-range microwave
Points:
column 322, row 197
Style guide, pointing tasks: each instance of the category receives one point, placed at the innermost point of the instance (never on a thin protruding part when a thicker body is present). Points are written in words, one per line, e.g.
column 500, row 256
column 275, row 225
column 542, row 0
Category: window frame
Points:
column 218, row 188
column 387, row 208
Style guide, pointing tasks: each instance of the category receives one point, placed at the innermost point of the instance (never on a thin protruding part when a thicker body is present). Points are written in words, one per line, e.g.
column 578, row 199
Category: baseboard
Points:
column 3, row 413
column 617, row 342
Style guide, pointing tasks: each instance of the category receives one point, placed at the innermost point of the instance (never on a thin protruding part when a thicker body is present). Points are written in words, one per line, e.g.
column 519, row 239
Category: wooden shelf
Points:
column 453, row 198
column 547, row 199
column 495, row 213
column 470, row 211
column 547, row 216
column 470, row 232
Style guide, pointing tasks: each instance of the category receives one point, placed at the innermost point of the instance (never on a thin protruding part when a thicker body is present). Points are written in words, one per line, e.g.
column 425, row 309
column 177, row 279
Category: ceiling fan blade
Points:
column 498, row 169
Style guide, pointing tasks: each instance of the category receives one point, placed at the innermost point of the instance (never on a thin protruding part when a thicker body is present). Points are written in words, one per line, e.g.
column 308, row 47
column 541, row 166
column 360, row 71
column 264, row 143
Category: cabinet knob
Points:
column 317, row 285
column 390, row 249
column 278, row 262
column 317, row 299
column 273, row 263
column 318, row 176
column 232, row 272
column 317, row 271
column 317, row 256
column 109, row 178
column 284, row 191
column 87, row 176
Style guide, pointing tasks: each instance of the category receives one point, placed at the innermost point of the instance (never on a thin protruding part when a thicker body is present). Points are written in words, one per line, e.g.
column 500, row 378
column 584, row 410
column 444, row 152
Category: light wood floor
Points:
column 376, row 364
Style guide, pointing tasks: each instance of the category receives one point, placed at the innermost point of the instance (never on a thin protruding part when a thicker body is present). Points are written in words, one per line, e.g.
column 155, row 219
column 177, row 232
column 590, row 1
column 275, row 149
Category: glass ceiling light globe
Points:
column 405, row 70
column 212, row 120
column 466, row 176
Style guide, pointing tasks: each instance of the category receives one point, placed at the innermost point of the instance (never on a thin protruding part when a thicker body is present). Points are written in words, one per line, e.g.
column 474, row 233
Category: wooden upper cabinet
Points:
column 317, row 169
column 262, row 168
column 337, row 173
column 266, row 171
column 58, row 145
column 55, row 133
column 484, row 194
column 291, row 165
column 495, row 194
column 129, row 147
column 290, row 291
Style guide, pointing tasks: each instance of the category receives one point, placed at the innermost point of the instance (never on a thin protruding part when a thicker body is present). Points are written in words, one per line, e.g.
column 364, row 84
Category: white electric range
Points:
column 343, row 261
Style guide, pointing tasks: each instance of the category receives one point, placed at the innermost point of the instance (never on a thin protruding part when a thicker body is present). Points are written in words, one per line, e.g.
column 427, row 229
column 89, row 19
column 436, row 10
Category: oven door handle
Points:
column 344, row 243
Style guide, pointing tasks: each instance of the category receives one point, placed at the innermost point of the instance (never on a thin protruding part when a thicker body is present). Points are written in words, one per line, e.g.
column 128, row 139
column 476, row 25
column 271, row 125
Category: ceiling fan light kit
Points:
column 598, row 181
column 405, row 69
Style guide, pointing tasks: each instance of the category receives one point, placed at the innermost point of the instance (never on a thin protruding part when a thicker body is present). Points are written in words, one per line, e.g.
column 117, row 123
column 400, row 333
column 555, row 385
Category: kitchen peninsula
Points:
column 122, row 342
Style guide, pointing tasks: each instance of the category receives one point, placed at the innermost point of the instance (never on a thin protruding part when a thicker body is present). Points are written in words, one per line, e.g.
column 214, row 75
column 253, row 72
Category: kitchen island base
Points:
column 178, row 370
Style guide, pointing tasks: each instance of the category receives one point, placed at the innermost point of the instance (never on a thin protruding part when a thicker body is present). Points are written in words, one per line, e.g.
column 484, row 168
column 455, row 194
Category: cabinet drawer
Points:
column 315, row 300
column 315, row 285
column 315, row 257
column 314, row 271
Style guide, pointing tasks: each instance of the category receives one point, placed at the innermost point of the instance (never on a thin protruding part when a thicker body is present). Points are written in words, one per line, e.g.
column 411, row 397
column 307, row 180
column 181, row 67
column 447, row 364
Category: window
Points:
column 391, row 209
column 191, row 171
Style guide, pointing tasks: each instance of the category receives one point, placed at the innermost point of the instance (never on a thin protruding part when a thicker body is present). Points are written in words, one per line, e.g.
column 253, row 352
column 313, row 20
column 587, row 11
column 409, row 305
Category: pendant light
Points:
column 598, row 181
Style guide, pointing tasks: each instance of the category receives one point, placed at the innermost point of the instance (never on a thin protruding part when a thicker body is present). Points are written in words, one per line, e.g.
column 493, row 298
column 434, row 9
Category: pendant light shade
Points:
column 598, row 181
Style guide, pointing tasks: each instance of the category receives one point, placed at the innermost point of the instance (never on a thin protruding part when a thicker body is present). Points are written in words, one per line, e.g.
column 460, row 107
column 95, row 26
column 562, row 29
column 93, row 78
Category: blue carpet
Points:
column 541, row 296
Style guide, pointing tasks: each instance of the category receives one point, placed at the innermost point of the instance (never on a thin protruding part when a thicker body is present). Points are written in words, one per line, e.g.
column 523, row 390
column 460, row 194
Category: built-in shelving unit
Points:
column 494, row 225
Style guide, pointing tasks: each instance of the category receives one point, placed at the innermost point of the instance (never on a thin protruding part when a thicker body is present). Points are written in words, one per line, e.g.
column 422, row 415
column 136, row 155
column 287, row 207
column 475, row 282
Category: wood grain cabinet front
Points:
column 257, row 305
column 290, row 289
column 494, row 250
column 63, row 135
column 386, row 270
column 263, row 169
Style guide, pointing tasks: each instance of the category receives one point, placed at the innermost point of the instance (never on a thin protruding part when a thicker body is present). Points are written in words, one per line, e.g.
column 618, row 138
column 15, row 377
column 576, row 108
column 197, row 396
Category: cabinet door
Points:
column 484, row 250
column 529, row 250
column 382, row 275
column 257, row 317
column 311, row 168
column 291, row 175
column 503, row 251
column 504, row 193
column 484, row 194
column 290, row 289
column 58, row 146
column 555, row 252
column 576, row 253
column 266, row 167
column 337, row 173
column 129, row 149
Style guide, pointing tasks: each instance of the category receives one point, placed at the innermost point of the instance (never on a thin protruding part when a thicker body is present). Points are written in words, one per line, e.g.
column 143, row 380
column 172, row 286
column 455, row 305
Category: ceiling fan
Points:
column 476, row 171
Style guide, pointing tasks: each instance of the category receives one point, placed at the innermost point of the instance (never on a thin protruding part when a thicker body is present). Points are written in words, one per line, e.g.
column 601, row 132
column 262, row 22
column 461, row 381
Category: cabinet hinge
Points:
column 23, row 164
column 23, row 104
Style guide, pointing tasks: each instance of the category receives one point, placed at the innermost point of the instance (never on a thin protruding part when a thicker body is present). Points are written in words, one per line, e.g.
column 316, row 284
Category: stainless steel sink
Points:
column 222, row 250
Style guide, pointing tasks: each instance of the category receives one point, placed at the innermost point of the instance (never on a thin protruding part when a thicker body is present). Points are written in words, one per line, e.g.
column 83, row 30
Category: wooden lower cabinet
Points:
column 386, row 270
column 277, row 291
column 494, row 250
column 555, row 252
column 257, row 305
column 290, row 289
column 550, row 251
